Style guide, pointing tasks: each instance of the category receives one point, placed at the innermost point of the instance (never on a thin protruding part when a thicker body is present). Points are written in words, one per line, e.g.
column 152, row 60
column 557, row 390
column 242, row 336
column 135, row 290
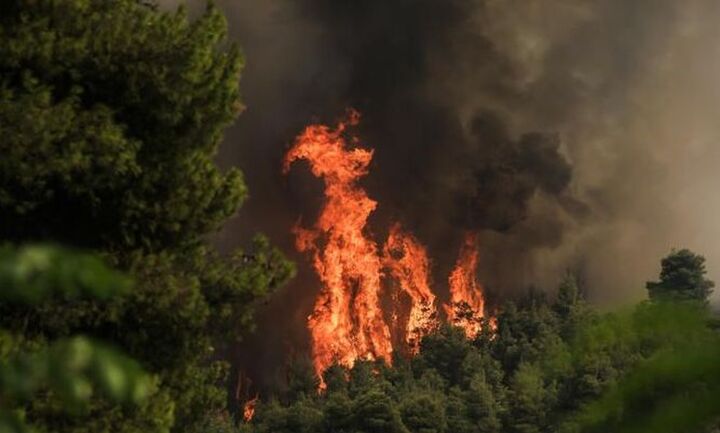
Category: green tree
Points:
column 299, row 416
column 568, row 294
column 445, row 352
column 338, row 413
column 375, row 412
column 423, row 413
column 525, row 331
column 570, row 306
column 483, row 405
column 682, row 278
column 111, row 113
column 530, row 400
column 457, row 412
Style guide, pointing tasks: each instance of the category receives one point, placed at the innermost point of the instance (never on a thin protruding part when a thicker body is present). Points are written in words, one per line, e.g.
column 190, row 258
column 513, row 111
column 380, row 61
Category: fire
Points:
column 407, row 261
column 347, row 321
column 467, row 302
column 249, row 408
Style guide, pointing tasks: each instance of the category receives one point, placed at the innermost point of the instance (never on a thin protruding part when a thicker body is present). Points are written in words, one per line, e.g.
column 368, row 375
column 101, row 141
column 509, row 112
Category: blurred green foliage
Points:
column 69, row 369
column 676, row 385
column 38, row 272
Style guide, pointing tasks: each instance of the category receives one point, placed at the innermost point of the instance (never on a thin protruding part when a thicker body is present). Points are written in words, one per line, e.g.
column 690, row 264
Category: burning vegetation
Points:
column 407, row 262
column 467, row 303
column 249, row 408
column 348, row 322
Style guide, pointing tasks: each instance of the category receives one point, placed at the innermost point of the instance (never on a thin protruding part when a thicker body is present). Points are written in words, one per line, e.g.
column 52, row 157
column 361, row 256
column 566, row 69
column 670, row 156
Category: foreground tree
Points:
column 682, row 278
column 111, row 113
column 110, row 116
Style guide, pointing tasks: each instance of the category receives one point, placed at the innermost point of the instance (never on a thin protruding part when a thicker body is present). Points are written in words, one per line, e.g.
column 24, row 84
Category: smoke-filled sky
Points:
column 576, row 134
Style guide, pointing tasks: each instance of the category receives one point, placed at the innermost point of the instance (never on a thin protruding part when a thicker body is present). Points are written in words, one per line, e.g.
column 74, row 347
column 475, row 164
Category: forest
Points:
column 118, row 310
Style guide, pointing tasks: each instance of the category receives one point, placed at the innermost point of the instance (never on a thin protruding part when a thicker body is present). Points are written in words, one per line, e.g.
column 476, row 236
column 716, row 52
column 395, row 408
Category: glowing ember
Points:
column 408, row 263
column 347, row 321
column 467, row 303
column 249, row 408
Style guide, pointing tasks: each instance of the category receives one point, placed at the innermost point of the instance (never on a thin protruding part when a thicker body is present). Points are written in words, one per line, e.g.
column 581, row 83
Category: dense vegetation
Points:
column 551, row 366
column 110, row 116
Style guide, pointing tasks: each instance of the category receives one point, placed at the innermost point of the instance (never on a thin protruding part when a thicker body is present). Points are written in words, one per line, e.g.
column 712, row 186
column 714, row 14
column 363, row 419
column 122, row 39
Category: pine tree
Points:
column 682, row 278
column 111, row 113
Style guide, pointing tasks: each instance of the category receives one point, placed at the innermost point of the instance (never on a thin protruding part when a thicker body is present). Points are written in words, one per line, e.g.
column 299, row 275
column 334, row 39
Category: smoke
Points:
column 632, row 89
column 437, row 169
column 574, row 134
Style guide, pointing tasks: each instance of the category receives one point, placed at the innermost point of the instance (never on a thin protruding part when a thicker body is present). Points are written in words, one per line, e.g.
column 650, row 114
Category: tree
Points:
column 423, row 413
column 375, row 412
column 111, row 113
column 444, row 351
column 483, row 404
column 568, row 296
column 682, row 278
column 530, row 400
column 570, row 306
column 338, row 413
column 300, row 417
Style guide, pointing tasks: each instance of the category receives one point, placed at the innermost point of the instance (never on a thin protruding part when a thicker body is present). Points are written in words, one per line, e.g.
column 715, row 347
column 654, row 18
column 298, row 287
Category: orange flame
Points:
column 249, row 408
column 467, row 302
column 347, row 321
column 408, row 263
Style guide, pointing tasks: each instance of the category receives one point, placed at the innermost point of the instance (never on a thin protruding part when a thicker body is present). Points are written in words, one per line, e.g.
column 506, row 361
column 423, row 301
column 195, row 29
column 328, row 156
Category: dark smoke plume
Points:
column 575, row 134
column 506, row 173
column 433, row 170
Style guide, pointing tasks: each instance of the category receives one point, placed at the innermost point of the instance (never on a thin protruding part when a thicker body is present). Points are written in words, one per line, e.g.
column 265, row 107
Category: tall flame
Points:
column 467, row 302
column 347, row 321
column 407, row 261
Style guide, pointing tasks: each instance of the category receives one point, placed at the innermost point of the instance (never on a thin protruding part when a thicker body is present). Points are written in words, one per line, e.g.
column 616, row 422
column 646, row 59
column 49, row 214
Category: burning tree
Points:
column 408, row 263
column 467, row 303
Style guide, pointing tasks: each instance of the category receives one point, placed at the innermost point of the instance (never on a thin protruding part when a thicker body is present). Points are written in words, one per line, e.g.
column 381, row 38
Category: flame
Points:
column 249, row 408
column 467, row 302
column 407, row 261
column 347, row 321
